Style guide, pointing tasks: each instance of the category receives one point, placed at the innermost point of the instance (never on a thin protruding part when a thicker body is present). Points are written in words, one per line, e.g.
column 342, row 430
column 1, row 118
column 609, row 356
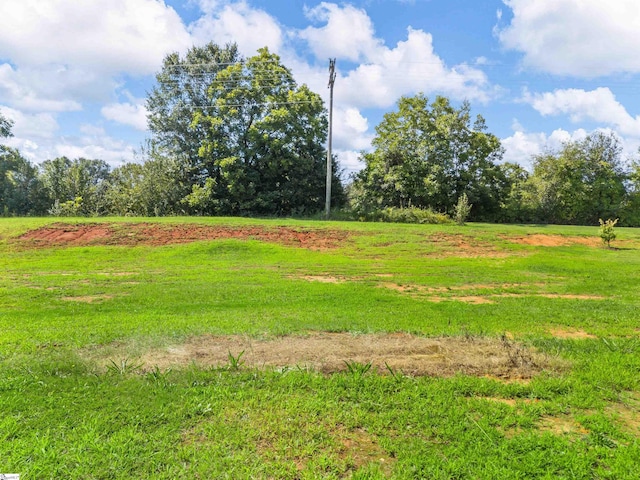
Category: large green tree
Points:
column 580, row 183
column 182, row 88
column 263, row 150
column 429, row 155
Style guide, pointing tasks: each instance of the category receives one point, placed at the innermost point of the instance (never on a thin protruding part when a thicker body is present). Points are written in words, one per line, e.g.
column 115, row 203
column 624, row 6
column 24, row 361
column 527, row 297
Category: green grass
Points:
column 64, row 416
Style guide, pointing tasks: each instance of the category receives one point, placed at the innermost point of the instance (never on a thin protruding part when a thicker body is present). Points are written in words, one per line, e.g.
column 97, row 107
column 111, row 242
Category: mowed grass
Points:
column 63, row 414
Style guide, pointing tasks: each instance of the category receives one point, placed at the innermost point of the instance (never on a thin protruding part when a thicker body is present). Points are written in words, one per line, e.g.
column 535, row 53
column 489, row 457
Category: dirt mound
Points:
column 541, row 240
column 334, row 352
column 66, row 234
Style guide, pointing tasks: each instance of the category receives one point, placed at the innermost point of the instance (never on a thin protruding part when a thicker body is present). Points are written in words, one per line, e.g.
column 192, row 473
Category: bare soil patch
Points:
column 489, row 296
column 542, row 240
column 455, row 245
column 330, row 352
column 64, row 234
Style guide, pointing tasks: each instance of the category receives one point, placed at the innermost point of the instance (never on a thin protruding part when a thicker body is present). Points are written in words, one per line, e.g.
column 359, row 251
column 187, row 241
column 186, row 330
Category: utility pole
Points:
column 332, row 79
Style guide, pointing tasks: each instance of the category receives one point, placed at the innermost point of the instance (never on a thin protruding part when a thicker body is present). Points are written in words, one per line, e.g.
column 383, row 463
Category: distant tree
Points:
column 263, row 149
column 21, row 192
column 428, row 155
column 65, row 180
column 581, row 183
column 148, row 189
column 181, row 89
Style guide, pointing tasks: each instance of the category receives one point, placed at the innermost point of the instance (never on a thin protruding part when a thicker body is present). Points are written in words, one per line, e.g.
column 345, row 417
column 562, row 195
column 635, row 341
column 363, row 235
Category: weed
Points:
column 235, row 362
column 397, row 376
column 124, row 367
column 156, row 375
column 518, row 355
column 357, row 369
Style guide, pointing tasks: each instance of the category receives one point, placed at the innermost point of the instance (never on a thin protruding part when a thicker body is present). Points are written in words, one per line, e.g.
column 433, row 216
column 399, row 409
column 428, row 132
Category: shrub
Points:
column 462, row 209
column 406, row 215
column 607, row 233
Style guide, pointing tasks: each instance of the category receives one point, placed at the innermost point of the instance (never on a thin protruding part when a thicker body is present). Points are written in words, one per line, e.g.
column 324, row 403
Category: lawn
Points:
column 240, row 348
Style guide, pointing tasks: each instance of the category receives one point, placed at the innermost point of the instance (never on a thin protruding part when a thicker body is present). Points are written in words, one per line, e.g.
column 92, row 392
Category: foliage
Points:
column 21, row 191
column 462, row 209
column 65, row 180
column 406, row 215
column 5, row 127
column 582, row 182
column 70, row 208
column 181, row 90
column 153, row 188
column 427, row 155
column 607, row 231
column 264, row 143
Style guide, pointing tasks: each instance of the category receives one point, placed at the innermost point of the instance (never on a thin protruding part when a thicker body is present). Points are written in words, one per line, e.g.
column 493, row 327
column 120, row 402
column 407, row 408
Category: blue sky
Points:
column 74, row 75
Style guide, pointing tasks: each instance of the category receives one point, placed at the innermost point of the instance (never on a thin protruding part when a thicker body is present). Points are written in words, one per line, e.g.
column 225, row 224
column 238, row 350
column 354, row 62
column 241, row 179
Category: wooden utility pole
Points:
column 332, row 79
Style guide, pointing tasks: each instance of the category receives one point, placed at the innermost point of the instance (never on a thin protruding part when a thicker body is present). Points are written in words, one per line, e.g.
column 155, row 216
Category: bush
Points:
column 406, row 215
column 70, row 208
column 607, row 233
column 462, row 209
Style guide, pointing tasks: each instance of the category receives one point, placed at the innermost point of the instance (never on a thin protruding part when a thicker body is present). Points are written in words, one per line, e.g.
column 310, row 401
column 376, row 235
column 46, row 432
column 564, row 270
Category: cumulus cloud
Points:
column 599, row 105
column 522, row 146
column 348, row 33
column 38, row 89
column 132, row 114
column 386, row 73
column 237, row 22
column 586, row 38
column 107, row 36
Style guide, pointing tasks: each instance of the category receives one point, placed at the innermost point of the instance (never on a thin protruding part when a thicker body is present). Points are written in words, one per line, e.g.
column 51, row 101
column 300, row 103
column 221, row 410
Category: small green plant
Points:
column 235, row 362
column 123, row 367
column 462, row 209
column 357, row 369
column 607, row 231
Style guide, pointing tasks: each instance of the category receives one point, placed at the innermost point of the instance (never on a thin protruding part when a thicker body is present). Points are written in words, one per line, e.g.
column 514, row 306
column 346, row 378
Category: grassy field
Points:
column 95, row 381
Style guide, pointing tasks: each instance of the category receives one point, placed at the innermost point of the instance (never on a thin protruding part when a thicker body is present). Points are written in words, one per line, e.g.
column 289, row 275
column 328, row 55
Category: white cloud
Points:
column 522, row 146
column 350, row 130
column 93, row 143
column 132, row 114
column 598, row 105
column 107, row 36
column 386, row 73
column 349, row 161
column 34, row 126
column 348, row 33
column 35, row 90
column 586, row 38
column 237, row 22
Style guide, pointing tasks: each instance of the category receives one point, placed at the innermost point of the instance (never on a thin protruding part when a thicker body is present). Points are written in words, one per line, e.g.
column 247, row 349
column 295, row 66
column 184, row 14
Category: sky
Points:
column 74, row 75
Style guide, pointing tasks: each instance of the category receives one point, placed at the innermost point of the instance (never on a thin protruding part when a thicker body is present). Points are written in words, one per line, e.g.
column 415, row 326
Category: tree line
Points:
column 239, row 136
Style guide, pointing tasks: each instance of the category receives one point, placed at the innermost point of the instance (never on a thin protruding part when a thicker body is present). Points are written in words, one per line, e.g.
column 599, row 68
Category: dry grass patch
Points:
column 570, row 333
column 542, row 240
column 435, row 294
column 330, row 352
column 88, row 298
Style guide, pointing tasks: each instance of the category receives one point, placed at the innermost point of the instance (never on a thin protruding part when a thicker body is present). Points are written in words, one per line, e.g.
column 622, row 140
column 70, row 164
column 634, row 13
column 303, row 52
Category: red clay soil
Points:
column 65, row 234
